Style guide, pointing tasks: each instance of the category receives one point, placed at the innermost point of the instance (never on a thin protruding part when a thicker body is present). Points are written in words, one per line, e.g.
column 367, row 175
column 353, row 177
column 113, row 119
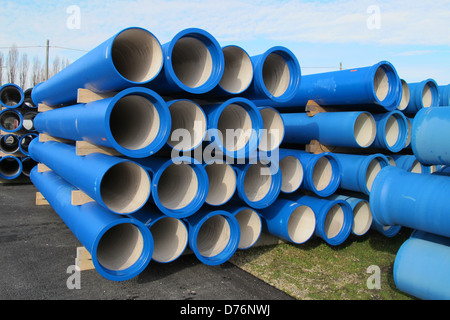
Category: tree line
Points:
column 16, row 67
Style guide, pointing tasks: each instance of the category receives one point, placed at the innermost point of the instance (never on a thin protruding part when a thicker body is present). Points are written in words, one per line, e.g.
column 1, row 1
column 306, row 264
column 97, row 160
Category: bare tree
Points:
column 65, row 63
column 37, row 69
column 56, row 66
column 13, row 60
column 23, row 74
column 1, row 67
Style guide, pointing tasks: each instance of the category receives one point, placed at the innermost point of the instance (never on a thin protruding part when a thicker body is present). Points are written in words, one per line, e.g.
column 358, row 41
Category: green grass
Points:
column 315, row 270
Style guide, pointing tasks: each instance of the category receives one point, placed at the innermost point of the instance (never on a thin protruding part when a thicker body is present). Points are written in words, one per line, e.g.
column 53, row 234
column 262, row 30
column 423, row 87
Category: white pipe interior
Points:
column 273, row 130
column 362, row 218
column 10, row 96
column 238, row 71
column 137, row 55
column 187, row 115
column 125, row 187
column 391, row 161
column 9, row 143
column 213, row 236
column 170, row 237
column 392, row 130
column 405, row 96
column 235, row 127
column 256, row 182
column 322, row 173
column 381, row 84
column 134, row 122
column 373, row 169
column 120, row 247
column 9, row 167
column 178, row 186
column 28, row 120
column 334, row 221
column 408, row 140
column 276, row 74
column 427, row 96
column 191, row 62
column 291, row 174
column 250, row 226
column 301, row 224
column 365, row 129
column 222, row 183
column 10, row 120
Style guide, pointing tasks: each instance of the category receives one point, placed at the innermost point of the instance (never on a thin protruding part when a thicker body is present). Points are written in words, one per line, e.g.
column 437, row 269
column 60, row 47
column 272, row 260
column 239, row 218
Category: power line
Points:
column 40, row 46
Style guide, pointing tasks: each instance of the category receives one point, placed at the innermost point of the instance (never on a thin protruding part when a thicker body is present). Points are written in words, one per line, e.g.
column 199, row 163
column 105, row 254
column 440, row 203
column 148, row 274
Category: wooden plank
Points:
column 43, row 168
column 84, row 148
column 43, row 137
column 312, row 108
column 43, row 107
column 40, row 200
column 84, row 259
column 86, row 96
column 79, row 198
column 316, row 147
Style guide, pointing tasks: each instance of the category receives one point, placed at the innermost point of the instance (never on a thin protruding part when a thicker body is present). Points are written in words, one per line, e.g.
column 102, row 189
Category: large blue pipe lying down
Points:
column 444, row 95
column 392, row 131
column 292, row 172
column 11, row 121
column 179, row 185
column 27, row 165
column 355, row 129
column 430, row 130
column 136, row 122
column 406, row 95
column 410, row 163
column 412, row 200
column 10, row 167
column 387, row 231
column 9, row 143
column 11, row 96
column 273, row 130
column 24, row 142
column 423, row 94
column 421, row 266
column 117, row 184
column 121, row 248
column 222, row 182
column 130, row 58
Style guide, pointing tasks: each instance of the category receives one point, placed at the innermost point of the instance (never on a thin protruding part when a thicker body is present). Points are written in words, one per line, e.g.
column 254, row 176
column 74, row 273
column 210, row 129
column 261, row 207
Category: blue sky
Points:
column 413, row 35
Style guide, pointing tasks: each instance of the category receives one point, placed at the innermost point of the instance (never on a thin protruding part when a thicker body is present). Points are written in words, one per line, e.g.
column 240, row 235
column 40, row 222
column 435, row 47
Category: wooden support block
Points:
column 84, row 148
column 84, row 259
column 316, row 147
column 43, row 137
column 86, row 96
column 43, row 107
column 40, row 200
column 79, row 198
column 43, row 168
column 312, row 108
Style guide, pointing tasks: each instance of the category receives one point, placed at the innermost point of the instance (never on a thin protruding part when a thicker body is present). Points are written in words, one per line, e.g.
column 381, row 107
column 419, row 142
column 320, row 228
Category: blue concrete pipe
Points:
column 11, row 121
column 120, row 185
column 416, row 201
column 292, row 171
column 136, row 122
column 421, row 266
column 27, row 165
column 410, row 163
column 387, row 231
column 214, row 235
column 429, row 141
column 444, row 95
column 359, row 171
column 9, row 143
column 121, row 248
column 11, row 96
column 10, row 167
column 289, row 220
column 406, row 95
column 132, row 57
column 424, row 94
column 392, row 131
column 222, row 182
column 355, row 129
column 24, row 142
column 273, row 130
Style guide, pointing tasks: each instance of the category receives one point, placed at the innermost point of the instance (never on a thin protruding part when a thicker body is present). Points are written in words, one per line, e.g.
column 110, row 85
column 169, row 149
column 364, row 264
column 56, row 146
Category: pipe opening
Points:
column 186, row 115
column 276, row 74
column 28, row 120
column 273, row 132
column 365, row 130
column 9, row 143
column 170, row 237
column 134, row 122
column 10, row 96
column 427, row 96
column 222, row 183
column 256, row 183
column 120, row 247
column 322, row 173
column 392, row 130
column 373, row 169
column 291, row 173
column 10, row 166
column 125, row 187
column 405, row 96
column 27, row 165
column 235, row 127
column 238, row 71
column 301, row 224
column 178, row 186
column 362, row 218
column 10, row 120
column 381, row 83
column 408, row 140
column 25, row 141
column 191, row 62
column 137, row 55
column 334, row 221
column 250, row 226
column 213, row 236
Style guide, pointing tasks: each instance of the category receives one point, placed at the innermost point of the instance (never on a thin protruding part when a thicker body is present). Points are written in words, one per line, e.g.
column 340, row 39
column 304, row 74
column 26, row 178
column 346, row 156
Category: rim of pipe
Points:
column 9, row 143
column 365, row 129
column 273, row 129
column 222, row 182
column 138, row 122
column 395, row 130
column 25, row 140
column 11, row 96
column 372, row 166
column 189, row 123
column 180, row 187
column 337, row 222
column 362, row 217
column 386, row 85
column 28, row 164
column 238, row 70
column 10, row 167
column 250, row 225
column 430, row 94
column 292, row 173
column 324, row 174
column 406, row 95
column 301, row 223
column 122, row 249
column 11, row 120
column 28, row 101
column 170, row 238
column 196, row 60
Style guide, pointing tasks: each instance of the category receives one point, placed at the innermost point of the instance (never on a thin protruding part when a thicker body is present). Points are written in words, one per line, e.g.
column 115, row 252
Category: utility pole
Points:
column 46, row 60
column 340, row 66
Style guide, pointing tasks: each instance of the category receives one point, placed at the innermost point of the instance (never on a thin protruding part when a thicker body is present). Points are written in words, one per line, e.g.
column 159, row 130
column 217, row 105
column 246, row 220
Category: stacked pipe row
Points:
column 17, row 113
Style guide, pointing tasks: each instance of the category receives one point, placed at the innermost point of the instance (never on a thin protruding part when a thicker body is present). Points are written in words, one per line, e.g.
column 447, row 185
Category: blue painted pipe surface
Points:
column 24, row 142
column 11, row 121
column 289, row 220
column 392, row 131
column 94, row 227
column 102, row 177
column 10, row 167
column 120, row 62
column 429, row 136
column 179, row 185
column 250, row 224
column 387, row 231
column 183, row 70
column 11, row 96
column 136, row 122
column 421, row 266
column 423, row 94
column 359, row 171
column 322, row 172
column 355, row 129
column 444, row 95
column 214, row 235
column 416, row 201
